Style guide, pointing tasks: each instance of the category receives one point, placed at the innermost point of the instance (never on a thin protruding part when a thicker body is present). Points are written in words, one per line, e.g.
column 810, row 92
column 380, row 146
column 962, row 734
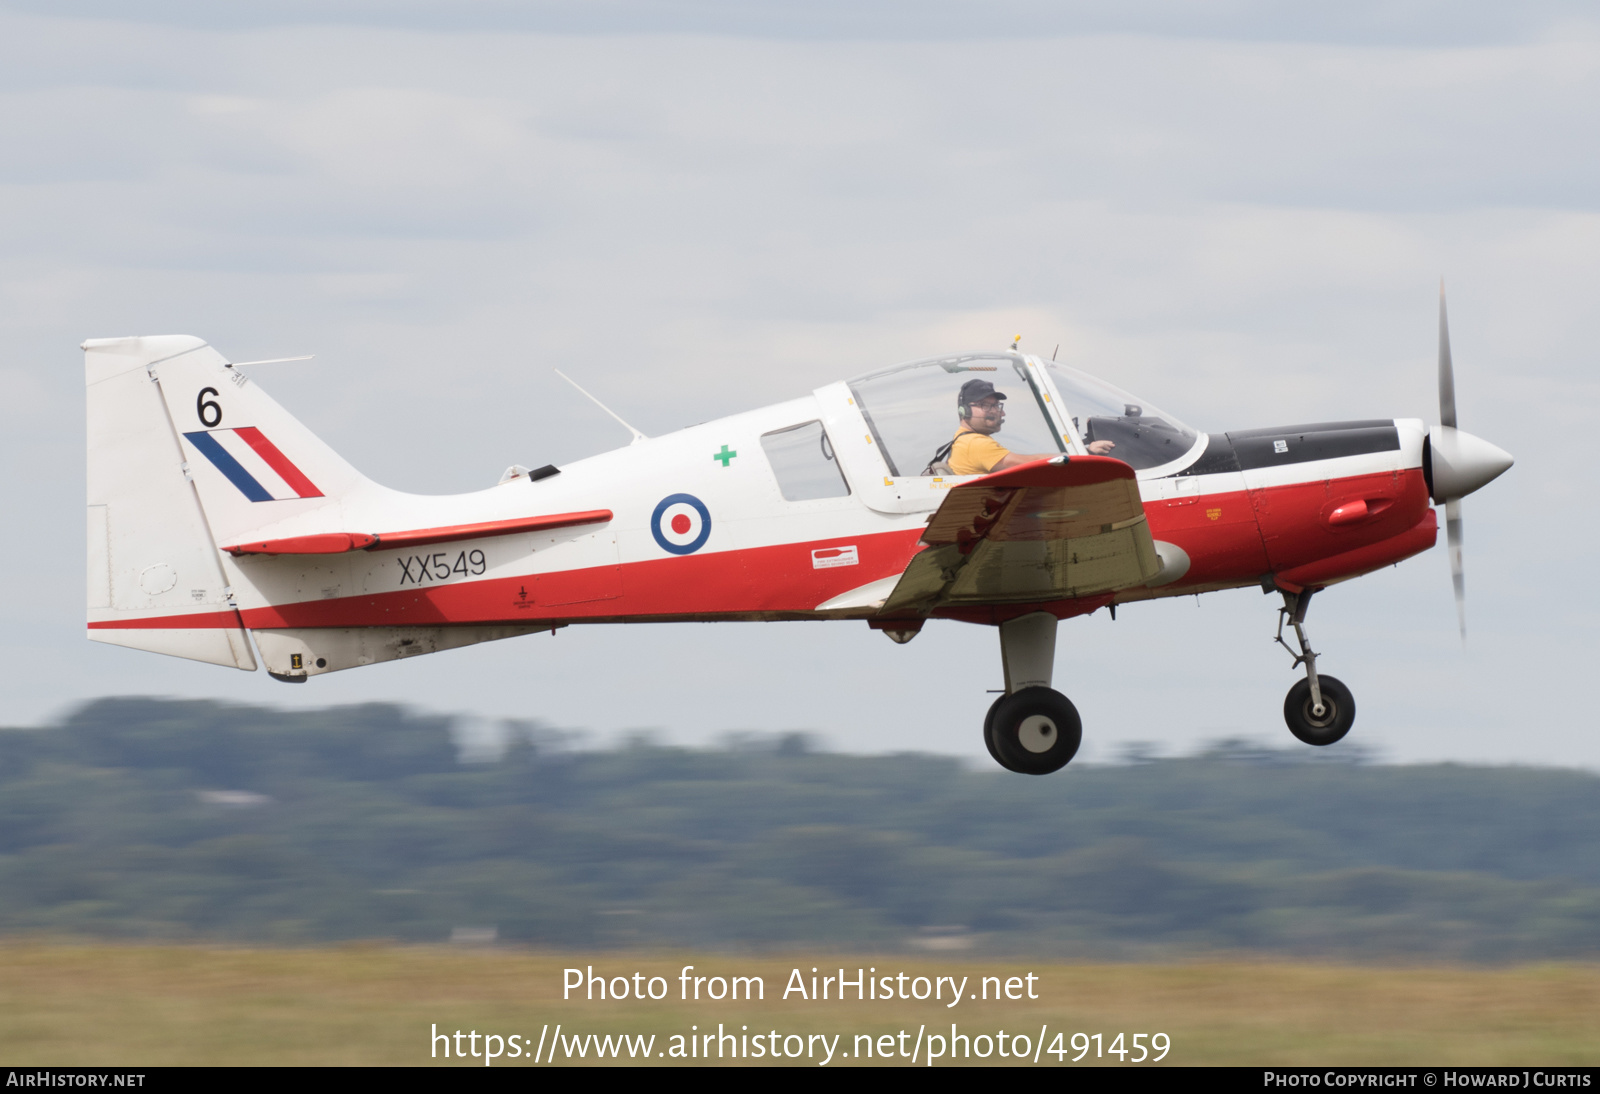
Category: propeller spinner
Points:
column 1457, row 463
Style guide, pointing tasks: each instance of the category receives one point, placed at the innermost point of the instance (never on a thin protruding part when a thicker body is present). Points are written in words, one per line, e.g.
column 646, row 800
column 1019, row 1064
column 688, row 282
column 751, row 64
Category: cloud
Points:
column 1365, row 22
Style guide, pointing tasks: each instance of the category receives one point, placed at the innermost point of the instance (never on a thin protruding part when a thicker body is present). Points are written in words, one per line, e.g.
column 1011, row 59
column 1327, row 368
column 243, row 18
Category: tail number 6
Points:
column 210, row 410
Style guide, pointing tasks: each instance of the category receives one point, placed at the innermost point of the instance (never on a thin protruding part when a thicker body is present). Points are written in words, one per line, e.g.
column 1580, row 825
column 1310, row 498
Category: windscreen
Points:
column 1141, row 435
column 911, row 409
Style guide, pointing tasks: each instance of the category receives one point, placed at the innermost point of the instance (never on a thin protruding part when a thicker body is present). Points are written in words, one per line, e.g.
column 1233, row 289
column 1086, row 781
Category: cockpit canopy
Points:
column 911, row 409
column 912, row 413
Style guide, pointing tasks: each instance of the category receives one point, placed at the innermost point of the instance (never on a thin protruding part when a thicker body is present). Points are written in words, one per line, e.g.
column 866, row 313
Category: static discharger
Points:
column 270, row 361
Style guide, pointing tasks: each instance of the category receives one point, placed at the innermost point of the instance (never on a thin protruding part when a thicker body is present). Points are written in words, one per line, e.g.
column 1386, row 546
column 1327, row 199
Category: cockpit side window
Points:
column 802, row 461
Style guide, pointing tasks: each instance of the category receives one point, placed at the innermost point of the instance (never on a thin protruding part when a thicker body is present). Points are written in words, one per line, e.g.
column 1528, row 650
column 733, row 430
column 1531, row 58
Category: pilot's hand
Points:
column 1100, row 448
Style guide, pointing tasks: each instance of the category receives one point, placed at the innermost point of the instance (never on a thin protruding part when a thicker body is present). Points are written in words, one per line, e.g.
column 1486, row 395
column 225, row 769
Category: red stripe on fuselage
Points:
column 199, row 621
column 1231, row 538
column 779, row 579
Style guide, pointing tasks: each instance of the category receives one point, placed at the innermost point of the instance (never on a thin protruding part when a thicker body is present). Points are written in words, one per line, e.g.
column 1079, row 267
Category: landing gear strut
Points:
column 1031, row 729
column 1319, row 709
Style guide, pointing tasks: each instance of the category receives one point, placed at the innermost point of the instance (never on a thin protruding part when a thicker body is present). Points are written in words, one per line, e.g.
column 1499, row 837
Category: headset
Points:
column 964, row 408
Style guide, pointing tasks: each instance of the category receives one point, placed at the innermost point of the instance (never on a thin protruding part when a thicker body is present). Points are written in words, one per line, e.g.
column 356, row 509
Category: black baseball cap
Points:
column 973, row 390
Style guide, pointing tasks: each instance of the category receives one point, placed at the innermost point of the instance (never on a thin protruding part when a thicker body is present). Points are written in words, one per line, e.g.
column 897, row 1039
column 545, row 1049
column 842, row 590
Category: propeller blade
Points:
column 1452, row 531
column 1447, row 375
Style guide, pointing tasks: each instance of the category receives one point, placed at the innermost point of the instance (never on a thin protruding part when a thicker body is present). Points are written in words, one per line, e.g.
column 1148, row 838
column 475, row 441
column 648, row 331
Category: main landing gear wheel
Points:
column 1338, row 711
column 1033, row 731
column 988, row 732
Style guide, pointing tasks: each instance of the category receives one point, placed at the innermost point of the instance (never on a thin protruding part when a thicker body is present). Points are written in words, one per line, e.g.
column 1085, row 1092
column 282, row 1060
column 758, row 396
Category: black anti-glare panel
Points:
column 1304, row 443
column 1217, row 459
column 1314, row 427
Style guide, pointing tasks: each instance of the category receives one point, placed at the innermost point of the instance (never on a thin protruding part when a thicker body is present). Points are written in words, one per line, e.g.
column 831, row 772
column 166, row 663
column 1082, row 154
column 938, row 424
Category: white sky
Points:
column 1240, row 211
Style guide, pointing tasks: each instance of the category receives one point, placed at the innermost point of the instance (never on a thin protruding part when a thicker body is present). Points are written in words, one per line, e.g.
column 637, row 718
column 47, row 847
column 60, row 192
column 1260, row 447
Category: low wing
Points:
column 1055, row 529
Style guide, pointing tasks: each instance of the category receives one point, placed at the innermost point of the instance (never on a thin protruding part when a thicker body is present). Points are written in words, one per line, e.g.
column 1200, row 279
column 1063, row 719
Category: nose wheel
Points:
column 1331, row 724
column 1319, row 710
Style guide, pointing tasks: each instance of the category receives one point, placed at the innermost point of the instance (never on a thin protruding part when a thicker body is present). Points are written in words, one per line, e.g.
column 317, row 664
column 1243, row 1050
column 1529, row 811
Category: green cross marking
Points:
column 725, row 456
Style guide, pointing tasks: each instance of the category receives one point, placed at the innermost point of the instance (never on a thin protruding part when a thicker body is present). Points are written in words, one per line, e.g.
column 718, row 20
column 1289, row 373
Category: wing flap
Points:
column 1051, row 530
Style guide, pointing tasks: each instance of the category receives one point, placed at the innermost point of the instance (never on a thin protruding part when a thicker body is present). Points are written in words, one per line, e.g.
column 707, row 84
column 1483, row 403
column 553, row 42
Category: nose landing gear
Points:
column 1319, row 709
column 1032, row 729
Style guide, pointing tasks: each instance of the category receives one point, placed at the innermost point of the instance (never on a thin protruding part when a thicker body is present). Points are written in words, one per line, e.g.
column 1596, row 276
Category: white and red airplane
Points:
column 213, row 513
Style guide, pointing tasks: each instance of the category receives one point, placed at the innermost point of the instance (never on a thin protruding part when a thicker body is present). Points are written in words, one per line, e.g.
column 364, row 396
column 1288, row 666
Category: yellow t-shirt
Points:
column 974, row 453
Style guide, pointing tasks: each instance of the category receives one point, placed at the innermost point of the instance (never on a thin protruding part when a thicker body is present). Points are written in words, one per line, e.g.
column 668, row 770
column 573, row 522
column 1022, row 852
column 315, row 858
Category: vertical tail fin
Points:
column 155, row 581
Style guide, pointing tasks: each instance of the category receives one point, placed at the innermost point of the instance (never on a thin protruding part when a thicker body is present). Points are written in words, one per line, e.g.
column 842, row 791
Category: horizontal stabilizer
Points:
column 337, row 543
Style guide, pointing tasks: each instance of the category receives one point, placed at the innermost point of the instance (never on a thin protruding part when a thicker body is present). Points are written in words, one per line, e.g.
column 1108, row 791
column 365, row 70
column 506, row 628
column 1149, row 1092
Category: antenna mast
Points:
column 637, row 436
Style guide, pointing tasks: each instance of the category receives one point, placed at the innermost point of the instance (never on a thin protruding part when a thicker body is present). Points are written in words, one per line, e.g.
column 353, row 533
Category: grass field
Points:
column 141, row 1005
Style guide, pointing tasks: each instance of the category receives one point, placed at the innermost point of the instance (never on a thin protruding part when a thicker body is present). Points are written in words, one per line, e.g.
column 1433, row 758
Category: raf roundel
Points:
column 681, row 524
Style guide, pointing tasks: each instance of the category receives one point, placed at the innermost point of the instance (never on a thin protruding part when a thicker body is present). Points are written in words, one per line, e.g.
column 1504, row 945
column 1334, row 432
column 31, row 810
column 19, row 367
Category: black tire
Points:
column 1035, row 731
column 1338, row 715
column 988, row 731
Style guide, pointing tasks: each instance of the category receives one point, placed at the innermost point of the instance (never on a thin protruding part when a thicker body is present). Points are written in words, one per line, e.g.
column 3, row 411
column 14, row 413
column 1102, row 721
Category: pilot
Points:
column 974, row 451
